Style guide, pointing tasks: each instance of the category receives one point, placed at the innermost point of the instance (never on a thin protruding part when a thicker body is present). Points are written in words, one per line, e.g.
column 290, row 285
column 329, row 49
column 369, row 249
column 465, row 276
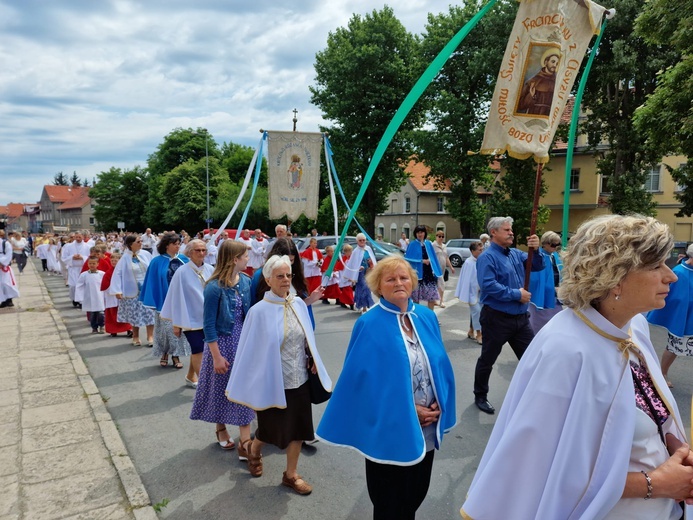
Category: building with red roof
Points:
column 66, row 208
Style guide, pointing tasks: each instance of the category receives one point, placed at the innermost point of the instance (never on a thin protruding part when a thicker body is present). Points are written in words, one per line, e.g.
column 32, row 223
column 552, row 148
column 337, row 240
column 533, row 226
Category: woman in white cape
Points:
column 270, row 373
column 589, row 429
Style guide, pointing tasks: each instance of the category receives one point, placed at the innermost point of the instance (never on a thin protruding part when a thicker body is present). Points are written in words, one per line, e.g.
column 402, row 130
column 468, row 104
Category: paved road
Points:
column 179, row 460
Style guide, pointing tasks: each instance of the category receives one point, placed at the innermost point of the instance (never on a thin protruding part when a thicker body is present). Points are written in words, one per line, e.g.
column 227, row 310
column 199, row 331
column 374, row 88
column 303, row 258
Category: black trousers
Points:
column 44, row 264
column 397, row 491
column 498, row 328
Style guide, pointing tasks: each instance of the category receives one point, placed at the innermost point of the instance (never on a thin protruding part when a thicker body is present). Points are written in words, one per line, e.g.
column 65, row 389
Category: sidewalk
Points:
column 61, row 456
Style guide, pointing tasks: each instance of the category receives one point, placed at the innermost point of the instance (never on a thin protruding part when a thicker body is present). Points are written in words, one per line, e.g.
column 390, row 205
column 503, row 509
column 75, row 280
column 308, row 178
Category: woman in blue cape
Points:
column 423, row 259
column 543, row 284
column 395, row 398
column 153, row 295
column 677, row 315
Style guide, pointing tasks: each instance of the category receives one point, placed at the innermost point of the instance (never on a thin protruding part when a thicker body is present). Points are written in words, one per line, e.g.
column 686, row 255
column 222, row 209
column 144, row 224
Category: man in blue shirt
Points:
column 504, row 317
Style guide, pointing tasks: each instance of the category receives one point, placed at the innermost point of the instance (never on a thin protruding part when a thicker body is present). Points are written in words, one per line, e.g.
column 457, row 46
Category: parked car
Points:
column 458, row 250
column 381, row 251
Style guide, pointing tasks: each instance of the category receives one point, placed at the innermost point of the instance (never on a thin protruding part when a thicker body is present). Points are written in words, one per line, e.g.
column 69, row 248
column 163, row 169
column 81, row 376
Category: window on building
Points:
column 441, row 204
column 407, row 204
column 681, row 187
column 381, row 230
column 406, row 231
column 652, row 180
column 393, row 205
column 605, row 188
column 91, row 221
column 575, row 179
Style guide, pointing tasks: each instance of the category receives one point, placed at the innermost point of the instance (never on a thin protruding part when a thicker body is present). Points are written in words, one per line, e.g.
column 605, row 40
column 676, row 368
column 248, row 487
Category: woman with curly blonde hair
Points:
column 588, row 419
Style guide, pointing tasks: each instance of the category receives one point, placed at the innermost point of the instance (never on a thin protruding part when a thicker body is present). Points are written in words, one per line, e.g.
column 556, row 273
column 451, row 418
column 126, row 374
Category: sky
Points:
column 90, row 84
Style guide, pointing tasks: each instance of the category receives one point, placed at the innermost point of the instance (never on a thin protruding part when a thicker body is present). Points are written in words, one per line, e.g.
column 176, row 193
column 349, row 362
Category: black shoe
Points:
column 351, row 307
column 79, row 305
column 326, row 301
column 483, row 405
column 9, row 303
column 3, row 305
column 344, row 306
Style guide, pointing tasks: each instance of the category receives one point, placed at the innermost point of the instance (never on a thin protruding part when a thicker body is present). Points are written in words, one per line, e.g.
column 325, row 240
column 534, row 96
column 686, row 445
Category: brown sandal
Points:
column 297, row 483
column 243, row 450
column 254, row 461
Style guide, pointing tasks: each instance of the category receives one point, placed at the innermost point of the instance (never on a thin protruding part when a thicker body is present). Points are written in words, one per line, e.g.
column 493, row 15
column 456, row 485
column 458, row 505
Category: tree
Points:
column 60, row 179
column 75, row 180
column 184, row 193
column 458, row 100
column 623, row 75
column 666, row 118
column 85, row 183
column 120, row 197
column 236, row 158
column 362, row 77
column 178, row 147
column 512, row 198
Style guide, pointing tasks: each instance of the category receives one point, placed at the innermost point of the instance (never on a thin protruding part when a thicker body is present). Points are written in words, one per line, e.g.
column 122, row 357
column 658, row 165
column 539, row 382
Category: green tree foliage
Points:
column 184, row 193
column 178, row 147
column 60, row 179
column 362, row 77
column 236, row 158
column 120, row 197
column 667, row 115
column 458, row 102
column 75, row 180
column 623, row 75
column 511, row 197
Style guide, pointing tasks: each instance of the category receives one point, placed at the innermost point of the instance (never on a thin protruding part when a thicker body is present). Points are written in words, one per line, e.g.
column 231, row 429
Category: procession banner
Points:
column 294, row 174
column 543, row 56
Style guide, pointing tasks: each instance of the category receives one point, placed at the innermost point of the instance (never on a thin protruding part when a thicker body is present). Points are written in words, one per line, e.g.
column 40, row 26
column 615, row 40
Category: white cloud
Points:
column 88, row 85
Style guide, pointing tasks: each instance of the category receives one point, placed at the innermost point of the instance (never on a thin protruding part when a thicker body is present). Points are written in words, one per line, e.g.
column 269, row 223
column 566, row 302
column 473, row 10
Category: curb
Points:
column 137, row 496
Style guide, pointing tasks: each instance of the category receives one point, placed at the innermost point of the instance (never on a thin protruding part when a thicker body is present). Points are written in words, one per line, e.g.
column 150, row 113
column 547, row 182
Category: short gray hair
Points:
column 273, row 262
column 689, row 251
column 497, row 222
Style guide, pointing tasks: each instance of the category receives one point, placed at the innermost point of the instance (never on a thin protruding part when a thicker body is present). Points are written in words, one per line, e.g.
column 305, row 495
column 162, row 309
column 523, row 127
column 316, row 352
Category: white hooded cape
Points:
column 185, row 297
column 561, row 446
column 256, row 380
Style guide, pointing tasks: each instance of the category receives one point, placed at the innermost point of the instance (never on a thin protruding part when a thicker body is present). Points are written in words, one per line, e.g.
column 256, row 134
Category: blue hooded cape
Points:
column 372, row 406
column 677, row 314
column 414, row 257
column 156, row 280
column 541, row 284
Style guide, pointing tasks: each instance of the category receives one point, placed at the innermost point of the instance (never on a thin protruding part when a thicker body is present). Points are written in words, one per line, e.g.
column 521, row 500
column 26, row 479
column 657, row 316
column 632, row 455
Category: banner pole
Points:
column 572, row 135
column 402, row 112
column 533, row 222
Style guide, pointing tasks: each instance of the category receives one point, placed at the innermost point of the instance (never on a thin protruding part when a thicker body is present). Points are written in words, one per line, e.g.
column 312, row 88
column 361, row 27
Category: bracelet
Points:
column 649, row 486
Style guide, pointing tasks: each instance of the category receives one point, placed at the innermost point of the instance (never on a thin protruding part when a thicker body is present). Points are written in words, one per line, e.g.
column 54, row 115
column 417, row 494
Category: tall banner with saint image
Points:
column 294, row 174
column 543, row 56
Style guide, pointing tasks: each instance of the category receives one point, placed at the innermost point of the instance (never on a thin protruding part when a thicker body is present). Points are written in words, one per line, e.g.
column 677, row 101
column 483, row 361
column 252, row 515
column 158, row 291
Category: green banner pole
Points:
column 402, row 112
column 572, row 134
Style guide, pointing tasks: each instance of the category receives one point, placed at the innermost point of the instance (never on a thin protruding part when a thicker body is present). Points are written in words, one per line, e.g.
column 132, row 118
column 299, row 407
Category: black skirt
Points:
column 280, row 426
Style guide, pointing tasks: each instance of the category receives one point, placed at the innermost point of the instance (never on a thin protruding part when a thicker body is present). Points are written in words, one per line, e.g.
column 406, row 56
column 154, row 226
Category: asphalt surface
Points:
column 180, row 462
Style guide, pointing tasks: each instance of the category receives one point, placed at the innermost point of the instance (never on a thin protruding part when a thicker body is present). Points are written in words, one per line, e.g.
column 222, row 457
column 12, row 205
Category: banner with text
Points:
column 541, row 61
column 294, row 174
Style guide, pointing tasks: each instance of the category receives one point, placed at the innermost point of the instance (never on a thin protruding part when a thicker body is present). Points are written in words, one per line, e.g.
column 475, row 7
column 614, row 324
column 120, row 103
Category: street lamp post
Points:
column 209, row 221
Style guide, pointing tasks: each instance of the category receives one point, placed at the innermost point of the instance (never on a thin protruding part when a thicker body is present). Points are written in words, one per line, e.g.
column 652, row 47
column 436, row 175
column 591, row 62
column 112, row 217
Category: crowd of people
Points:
column 589, row 405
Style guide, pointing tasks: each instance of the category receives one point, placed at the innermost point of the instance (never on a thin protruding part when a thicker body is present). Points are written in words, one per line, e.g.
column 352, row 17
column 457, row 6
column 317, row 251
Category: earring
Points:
column 617, row 297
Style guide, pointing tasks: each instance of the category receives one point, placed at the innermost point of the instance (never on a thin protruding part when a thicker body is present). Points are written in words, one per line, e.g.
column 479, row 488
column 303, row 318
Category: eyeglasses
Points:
column 440, row 236
column 552, row 244
column 200, row 250
column 284, row 276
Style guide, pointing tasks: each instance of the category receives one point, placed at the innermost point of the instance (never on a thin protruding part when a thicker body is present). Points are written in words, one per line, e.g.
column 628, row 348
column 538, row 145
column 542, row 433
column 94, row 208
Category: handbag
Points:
column 318, row 394
column 446, row 275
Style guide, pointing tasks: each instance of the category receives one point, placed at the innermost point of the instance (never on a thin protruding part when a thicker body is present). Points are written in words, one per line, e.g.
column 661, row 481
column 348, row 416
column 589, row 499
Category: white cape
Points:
column 256, row 380
column 467, row 289
column 185, row 297
column 561, row 445
column 353, row 264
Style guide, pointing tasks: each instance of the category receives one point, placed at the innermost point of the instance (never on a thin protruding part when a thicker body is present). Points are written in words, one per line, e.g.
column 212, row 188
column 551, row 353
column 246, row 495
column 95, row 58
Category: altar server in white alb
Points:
column 8, row 284
column 89, row 295
column 74, row 255
column 589, row 428
column 258, row 249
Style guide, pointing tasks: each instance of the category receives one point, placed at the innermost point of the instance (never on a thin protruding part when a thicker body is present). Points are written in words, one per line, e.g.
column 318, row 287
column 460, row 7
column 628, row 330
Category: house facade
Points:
column 66, row 209
column 417, row 202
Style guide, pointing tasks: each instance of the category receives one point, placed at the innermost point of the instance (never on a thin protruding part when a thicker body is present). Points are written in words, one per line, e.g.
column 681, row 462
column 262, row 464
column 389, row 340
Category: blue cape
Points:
column 677, row 314
column 156, row 280
column 414, row 256
column 541, row 284
column 372, row 406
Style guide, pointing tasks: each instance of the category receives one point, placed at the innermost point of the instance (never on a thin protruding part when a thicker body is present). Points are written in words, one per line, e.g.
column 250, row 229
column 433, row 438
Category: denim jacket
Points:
column 220, row 307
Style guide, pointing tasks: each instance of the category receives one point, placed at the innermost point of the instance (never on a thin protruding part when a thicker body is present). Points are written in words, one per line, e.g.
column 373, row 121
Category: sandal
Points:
column 244, row 449
column 164, row 360
column 176, row 362
column 136, row 343
column 470, row 335
column 254, row 461
column 297, row 483
column 225, row 445
column 670, row 384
